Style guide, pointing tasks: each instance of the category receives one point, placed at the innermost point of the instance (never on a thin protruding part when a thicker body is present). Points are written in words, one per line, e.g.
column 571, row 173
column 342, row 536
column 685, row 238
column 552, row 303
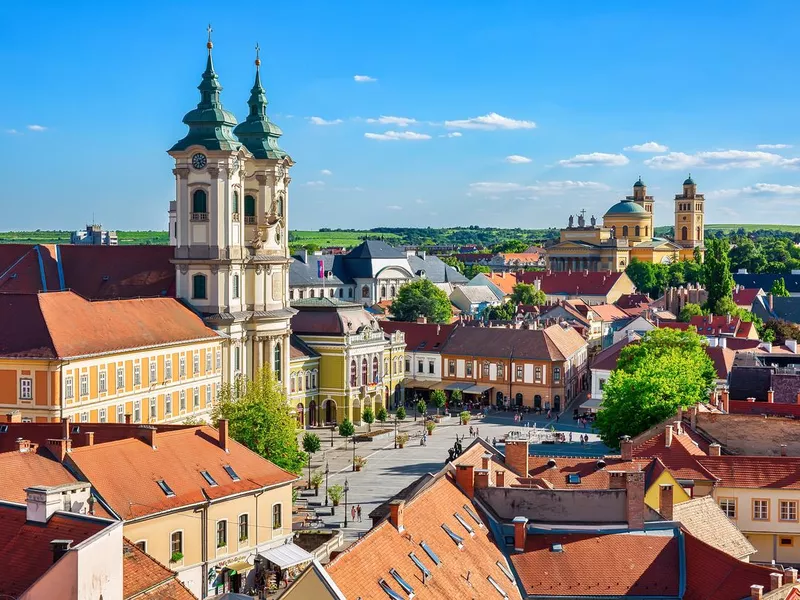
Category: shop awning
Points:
column 287, row 556
column 457, row 386
column 418, row 385
column 239, row 567
column 478, row 388
column 592, row 404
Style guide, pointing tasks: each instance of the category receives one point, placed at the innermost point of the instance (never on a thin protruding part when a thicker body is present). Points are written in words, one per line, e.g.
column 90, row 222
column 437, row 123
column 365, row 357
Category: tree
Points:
column 368, row 416
column 718, row 278
column 422, row 407
column 258, row 417
column 346, row 428
column 690, row 310
column 781, row 331
column 666, row 370
column 512, row 246
column 311, row 444
column 471, row 270
column 527, row 293
column 502, row 312
column 779, row 288
column 400, row 413
column 421, row 298
column 439, row 399
column 453, row 262
column 381, row 415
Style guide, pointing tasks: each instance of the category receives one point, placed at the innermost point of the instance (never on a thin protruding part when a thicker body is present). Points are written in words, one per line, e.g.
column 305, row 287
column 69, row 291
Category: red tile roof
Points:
column 723, row 360
column 609, row 312
column 633, row 301
column 779, row 472
column 617, row 564
column 25, row 547
column 606, row 360
column 552, row 343
column 26, row 469
column 591, row 476
column 358, row 569
column 575, row 283
column 28, row 269
column 743, row 407
column 744, row 297
column 34, row 325
column 505, row 281
column 124, row 473
column 146, row 578
column 720, row 325
column 681, row 458
column 420, row 337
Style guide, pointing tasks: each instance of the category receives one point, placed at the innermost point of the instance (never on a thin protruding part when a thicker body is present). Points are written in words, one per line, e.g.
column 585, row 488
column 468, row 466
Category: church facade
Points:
column 229, row 228
column 627, row 233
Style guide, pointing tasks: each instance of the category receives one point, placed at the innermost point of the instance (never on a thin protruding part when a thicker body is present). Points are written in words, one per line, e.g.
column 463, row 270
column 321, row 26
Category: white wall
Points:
column 597, row 375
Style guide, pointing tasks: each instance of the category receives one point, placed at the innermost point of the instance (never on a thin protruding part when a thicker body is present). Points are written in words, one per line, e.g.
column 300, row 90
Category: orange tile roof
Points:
column 34, row 325
column 609, row 312
column 124, row 473
column 473, row 455
column 145, row 577
column 780, row 472
column 681, row 458
column 359, row 568
column 573, row 283
column 591, row 476
column 25, row 469
column 505, row 281
column 617, row 564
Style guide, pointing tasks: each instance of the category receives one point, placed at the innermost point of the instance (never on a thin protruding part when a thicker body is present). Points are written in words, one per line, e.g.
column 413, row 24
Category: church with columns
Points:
column 627, row 233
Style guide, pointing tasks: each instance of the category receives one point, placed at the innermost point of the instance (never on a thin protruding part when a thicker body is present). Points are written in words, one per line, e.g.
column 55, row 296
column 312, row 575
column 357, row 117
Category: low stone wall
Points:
column 319, row 542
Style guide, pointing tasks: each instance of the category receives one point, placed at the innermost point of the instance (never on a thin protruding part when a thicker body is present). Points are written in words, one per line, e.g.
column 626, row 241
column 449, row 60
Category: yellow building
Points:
column 303, row 378
column 359, row 365
column 627, row 233
column 62, row 356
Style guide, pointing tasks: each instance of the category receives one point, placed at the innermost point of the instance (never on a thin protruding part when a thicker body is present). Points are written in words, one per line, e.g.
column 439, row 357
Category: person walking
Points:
column 353, row 514
column 476, row 433
column 358, row 512
column 470, row 431
column 570, row 436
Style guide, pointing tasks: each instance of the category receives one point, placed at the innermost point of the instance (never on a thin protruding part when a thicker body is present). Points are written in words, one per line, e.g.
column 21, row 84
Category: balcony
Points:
column 199, row 216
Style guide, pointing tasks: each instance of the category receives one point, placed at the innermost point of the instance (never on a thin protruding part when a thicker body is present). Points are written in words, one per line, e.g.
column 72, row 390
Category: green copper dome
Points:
column 625, row 207
column 210, row 125
column 689, row 180
column 639, row 183
column 258, row 134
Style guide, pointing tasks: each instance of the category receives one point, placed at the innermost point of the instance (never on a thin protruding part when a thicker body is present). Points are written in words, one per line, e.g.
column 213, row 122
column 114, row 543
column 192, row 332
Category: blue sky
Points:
column 501, row 113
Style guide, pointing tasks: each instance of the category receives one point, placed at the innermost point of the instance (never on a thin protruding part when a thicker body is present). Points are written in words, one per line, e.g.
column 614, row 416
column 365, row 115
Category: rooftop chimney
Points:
column 726, row 396
column 714, row 449
column 790, row 575
column 60, row 448
column 422, row 320
column 23, row 445
column 65, row 428
column 481, row 479
column 775, row 581
column 396, row 510
column 756, row 592
column 465, row 479
column 222, row 425
column 517, row 456
column 771, row 396
column 634, row 508
column 791, row 345
column 14, row 416
column 128, row 418
column 783, row 449
column 485, row 460
column 60, row 548
column 500, row 478
column 668, row 436
column 751, row 399
column 626, row 447
column 665, row 501
column 40, row 504
column 89, row 438
column 520, row 533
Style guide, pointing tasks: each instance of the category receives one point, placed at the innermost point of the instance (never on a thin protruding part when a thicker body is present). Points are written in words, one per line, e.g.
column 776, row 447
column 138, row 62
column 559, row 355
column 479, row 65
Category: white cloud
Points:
column 540, row 187
column 773, row 146
column 396, row 121
column 321, row 121
column 490, row 121
column 314, row 183
column 647, row 147
column 595, row 159
column 363, row 79
column 721, row 159
column 37, row 127
column 758, row 189
column 397, row 135
column 326, row 172
column 516, row 159
column 394, row 207
column 419, row 201
column 452, row 134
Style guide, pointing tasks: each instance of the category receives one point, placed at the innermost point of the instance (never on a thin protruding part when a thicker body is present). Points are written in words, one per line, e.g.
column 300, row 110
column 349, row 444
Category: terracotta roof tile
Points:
column 632, row 301
column 591, row 476
column 359, row 568
column 420, row 337
column 146, row 578
column 745, row 297
column 505, row 281
column 27, row 268
column 124, row 473
column 473, row 455
column 606, row 359
column 723, row 360
column 780, row 472
column 575, row 283
column 609, row 312
column 704, row 519
column 681, row 458
column 637, row 564
column 552, row 343
column 25, row 469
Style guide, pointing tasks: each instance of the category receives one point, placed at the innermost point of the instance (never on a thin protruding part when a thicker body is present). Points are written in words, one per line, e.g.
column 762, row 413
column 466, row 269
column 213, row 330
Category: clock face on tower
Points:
column 199, row 161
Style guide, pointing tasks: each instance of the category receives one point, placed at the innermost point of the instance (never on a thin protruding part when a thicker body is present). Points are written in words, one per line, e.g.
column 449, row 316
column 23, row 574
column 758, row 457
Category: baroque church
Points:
column 229, row 226
column 627, row 233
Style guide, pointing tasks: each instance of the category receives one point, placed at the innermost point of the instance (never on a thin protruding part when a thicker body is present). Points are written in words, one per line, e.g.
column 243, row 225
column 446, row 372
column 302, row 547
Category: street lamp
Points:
column 416, row 401
column 354, row 452
column 327, row 470
column 346, row 489
column 332, row 428
column 395, row 432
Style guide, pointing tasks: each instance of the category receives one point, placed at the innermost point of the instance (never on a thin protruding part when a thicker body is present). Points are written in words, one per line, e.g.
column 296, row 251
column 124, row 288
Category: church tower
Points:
column 230, row 258
column 689, row 216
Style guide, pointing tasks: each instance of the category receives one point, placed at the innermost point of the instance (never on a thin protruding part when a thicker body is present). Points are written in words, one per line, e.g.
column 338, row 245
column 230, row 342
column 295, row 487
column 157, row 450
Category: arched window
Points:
column 249, row 209
column 646, row 231
column 349, row 292
column 365, row 291
column 698, row 233
column 314, row 379
column 277, row 361
column 236, row 203
column 308, row 380
column 199, row 286
column 383, row 291
column 364, row 372
column 277, row 235
column 199, row 206
column 638, row 231
column 279, row 205
column 330, row 292
column 375, row 370
column 685, row 233
column 353, row 374
column 293, row 383
column 235, row 286
column 624, row 231
column 311, row 294
column 392, row 291
column 341, row 292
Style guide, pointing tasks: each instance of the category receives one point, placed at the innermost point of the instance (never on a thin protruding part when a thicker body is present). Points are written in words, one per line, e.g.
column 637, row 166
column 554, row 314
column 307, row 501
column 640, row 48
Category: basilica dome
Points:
column 624, row 207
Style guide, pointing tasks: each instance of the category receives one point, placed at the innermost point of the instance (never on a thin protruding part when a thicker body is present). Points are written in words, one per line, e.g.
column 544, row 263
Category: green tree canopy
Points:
column 421, row 298
column 513, row 246
column 258, row 417
column 526, row 293
column 439, row 399
column 368, row 416
column 381, row 414
column 401, row 413
column 471, row 270
column 781, row 331
column 346, row 428
column 779, row 288
column 690, row 310
column 718, row 278
column 667, row 370
column 502, row 312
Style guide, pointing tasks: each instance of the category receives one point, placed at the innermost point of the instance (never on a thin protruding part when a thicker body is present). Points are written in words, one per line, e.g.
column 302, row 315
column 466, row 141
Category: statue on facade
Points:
column 258, row 241
column 571, row 221
column 593, row 221
column 582, row 219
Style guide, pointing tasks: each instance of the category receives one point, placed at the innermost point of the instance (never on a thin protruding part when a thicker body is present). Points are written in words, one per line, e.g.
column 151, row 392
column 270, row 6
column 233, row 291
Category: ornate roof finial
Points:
column 258, row 52
column 209, row 45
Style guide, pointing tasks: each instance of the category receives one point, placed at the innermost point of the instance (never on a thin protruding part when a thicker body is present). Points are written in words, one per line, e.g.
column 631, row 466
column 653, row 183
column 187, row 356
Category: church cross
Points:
column 209, row 31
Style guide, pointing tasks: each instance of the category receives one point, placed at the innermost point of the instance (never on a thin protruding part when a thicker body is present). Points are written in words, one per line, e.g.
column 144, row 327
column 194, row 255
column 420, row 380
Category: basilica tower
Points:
column 689, row 216
column 229, row 231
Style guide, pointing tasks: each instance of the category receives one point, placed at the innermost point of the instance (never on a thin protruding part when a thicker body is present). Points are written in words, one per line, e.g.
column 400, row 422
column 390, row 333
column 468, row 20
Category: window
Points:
column 486, row 370
column 537, row 373
column 496, row 586
column 235, row 286
column 153, row 370
column 761, row 510
column 208, row 395
column 500, row 371
column 208, row 361
column 300, row 294
column 120, row 413
column 684, row 233
column 420, row 366
column 431, row 367
column 229, row 470
column 464, row 524
column 120, row 378
column 176, row 543
column 84, row 385
column 196, row 364
column 69, row 385
column 624, row 231
column 102, row 415
column 392, row 292
column 374, row 370
column 556, row 374
column 236, row 359
column 451, row 367
column 222, row 533
column 277, row 517
column 406, row 588
column 787, row 541
column 198, row 285
column 788, row 510
column 84, row 417
column 469, row 368
column 383, row 291
column 137, row 411
column 243, row 528
column 183, row 401
column 137, row 374
column 168, row 405
column 519, row 372
column 388, row 589
column 141, row 545
column 207, row 476
column 311, row 293
column 277, row 361
column 153, row 410
column 249, row 210
column 199, row 206
column 196, row 398
column 436, row 560
column 165, row 488
column 350, row 292
column 419, row 564
column 408, row 365
column 364, row 372
column 235, row 205
column 473, row 514
column 365, row 292
column 182, row 366
column 637, row 231
column 728, row 506
column 573, row 478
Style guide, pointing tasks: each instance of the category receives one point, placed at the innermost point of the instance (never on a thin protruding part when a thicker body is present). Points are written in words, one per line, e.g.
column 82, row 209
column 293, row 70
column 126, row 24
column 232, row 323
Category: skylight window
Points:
column 418, row 562
column 466, row 525
column 229, row 470
column 505, row 571
column 76, row 429
column 3, row 428
column 165, row 488
column 454, row 536
column 402, row 582
column 207, row 476
column 431, row 553
column 497, row 587
column 387, row 588
column 472, row 514
column 573, row 478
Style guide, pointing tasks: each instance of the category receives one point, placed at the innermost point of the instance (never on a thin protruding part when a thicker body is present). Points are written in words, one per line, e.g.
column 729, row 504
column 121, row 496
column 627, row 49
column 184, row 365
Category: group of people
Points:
column 473, row 431
column 355, row 513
